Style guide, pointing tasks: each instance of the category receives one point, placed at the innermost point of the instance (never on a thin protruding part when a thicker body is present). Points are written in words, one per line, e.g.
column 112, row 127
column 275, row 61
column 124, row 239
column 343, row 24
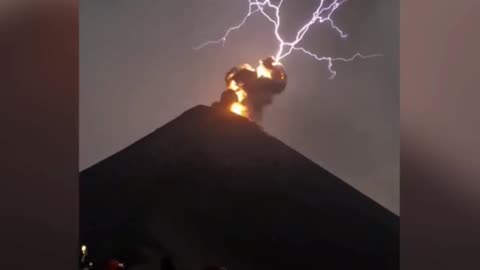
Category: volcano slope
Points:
column 212, row 188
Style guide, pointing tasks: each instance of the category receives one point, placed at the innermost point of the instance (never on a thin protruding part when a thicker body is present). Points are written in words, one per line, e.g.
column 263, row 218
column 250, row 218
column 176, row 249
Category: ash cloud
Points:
column 260, row 90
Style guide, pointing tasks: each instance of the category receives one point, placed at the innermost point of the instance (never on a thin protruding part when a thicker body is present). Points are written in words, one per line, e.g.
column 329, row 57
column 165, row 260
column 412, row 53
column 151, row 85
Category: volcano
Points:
column 212, row 188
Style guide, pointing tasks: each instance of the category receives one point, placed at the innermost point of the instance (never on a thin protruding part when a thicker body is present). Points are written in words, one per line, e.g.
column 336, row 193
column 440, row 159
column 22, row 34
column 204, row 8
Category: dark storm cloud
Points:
column 138, row 71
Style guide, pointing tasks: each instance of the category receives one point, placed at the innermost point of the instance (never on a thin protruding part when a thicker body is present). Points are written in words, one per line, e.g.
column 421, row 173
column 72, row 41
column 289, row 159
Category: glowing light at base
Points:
column 84, row 251
column 239, row 109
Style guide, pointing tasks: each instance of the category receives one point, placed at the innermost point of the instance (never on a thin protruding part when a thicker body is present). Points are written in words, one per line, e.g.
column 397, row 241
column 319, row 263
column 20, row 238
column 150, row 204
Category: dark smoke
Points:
column 260, row 91
column 227, row 98
column 260, row 94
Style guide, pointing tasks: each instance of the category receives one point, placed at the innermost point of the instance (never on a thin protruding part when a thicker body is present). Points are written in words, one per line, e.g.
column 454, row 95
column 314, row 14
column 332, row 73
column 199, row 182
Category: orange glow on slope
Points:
column 239, row 109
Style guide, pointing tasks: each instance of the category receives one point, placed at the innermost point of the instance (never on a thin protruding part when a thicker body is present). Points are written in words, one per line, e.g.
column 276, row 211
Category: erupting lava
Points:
column 253, row 88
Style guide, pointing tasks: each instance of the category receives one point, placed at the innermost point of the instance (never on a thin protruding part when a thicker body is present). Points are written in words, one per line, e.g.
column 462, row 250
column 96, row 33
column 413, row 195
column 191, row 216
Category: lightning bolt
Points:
column 323, row 14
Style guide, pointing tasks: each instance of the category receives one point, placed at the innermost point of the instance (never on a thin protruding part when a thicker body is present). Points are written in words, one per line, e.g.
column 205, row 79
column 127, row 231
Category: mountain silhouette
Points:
column 212, row 188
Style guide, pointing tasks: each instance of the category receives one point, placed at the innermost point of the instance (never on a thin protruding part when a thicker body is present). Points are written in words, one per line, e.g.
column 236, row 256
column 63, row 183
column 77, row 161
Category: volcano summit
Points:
column 212, row 188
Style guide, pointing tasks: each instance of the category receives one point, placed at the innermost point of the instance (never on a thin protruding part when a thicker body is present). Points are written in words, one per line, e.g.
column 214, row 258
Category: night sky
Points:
column 138, row 71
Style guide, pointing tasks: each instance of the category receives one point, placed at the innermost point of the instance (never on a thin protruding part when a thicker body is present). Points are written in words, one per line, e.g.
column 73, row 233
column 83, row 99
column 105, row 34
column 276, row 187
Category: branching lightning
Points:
column 323, row 14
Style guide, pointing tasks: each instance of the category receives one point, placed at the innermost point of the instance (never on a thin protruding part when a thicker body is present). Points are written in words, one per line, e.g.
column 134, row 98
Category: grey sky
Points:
column 138, row 71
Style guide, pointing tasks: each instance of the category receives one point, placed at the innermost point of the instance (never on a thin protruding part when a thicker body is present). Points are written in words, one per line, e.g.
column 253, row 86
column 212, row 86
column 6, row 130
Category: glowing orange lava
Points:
column 239, row 109
column 262, row 71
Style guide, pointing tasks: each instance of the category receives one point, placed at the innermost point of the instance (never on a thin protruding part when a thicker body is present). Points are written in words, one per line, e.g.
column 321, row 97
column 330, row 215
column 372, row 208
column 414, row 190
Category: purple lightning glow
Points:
column 323, row 14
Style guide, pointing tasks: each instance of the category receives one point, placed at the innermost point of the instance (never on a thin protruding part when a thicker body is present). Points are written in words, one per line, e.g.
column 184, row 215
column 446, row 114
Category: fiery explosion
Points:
column 249, row 89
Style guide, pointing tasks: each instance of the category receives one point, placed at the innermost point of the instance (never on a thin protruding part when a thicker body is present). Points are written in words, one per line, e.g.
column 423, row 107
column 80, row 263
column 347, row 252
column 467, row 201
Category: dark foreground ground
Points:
column 211, row 188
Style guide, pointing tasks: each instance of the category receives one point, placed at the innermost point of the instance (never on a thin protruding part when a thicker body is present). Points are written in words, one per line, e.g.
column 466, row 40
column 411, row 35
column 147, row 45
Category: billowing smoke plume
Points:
column 249, row 90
